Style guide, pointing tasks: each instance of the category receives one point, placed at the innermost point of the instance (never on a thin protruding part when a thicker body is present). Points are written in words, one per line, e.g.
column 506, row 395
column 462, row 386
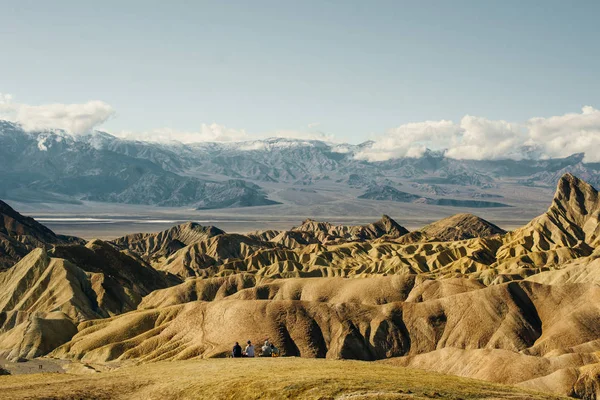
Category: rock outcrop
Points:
column 461, row 227
column 20, row 234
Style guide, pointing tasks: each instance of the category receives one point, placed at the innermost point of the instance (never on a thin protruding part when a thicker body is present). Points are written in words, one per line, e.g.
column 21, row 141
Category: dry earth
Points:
column 271, row 378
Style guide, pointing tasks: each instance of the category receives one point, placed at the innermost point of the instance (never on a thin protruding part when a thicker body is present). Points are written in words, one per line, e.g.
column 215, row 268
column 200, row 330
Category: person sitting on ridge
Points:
column 249, row 350
column 266, row 349
column 274, row 351
column 237, row 350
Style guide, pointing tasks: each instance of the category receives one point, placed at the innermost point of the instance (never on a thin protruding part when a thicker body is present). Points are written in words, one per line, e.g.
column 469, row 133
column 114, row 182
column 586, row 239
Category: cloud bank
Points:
column 207, row 133
column 72, row 118
column 472, row 137
column 479, row 138
column 220, row 134
column 86, row 117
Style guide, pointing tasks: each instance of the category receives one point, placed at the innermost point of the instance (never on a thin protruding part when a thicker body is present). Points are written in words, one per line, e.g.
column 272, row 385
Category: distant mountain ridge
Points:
column 389, row 193
column 53, row 166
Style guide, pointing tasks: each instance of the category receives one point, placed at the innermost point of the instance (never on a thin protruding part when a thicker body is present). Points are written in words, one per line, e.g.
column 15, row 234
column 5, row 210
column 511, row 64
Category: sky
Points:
column 407, row 74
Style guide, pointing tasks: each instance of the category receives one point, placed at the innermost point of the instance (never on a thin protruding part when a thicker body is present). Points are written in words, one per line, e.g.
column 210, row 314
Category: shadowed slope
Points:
column 207, row 329
column 41, row 299
column 560, row 374
column 326, row 232
column 204, row 258
column 120, row 281
column 340, row 324
column 20, row 234
column 156, row 246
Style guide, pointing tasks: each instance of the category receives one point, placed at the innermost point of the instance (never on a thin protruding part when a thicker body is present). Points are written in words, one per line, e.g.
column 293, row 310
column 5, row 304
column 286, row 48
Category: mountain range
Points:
column 459, row 296
column 55, row 167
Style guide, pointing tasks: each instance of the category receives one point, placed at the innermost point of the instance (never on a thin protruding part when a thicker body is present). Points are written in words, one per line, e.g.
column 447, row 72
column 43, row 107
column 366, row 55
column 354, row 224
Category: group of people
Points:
column 267, row 350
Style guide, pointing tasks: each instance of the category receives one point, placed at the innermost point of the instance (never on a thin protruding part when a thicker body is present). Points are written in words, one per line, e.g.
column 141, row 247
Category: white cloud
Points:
column 207, row 133
column 484, row 139
column 218, row 133
column 341, row 148
column 411, row 140
column 568, row 134
column 472, row 137
column 5, row 99
column 480, row 138
column 294, row 134
column 84, row 118
column 73, row 118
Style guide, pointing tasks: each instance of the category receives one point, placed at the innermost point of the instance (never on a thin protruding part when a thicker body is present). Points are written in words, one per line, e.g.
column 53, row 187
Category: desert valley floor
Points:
column 458, row 308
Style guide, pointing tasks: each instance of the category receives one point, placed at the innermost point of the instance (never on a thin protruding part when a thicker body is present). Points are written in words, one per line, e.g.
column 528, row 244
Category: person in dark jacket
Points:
column 237, row 350
column 274, row 351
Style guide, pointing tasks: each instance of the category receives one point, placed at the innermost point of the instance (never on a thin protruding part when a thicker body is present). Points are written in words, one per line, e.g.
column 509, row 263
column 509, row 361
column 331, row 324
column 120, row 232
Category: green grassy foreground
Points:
column 277, row 378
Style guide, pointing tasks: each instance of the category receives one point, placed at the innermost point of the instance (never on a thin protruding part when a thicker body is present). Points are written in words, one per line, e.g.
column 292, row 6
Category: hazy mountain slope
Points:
column 55, row 166
column 386, row 192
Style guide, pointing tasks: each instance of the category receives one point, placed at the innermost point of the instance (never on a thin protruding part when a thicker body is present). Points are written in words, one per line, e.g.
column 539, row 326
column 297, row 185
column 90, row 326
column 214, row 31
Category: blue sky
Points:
column 357, row 69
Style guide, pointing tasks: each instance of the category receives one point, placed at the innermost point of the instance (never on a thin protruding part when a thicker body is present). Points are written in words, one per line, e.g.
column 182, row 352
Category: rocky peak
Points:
column 577, row 203
column 575, row 196
column 461, row 226
column 387, row 226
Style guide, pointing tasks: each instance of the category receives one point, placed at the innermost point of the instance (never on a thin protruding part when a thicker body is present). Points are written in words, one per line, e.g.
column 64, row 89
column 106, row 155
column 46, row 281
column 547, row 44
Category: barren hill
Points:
column 20, row 234
column 154, row 246
column 461, row 227
column 43, row 298
column 328, row 232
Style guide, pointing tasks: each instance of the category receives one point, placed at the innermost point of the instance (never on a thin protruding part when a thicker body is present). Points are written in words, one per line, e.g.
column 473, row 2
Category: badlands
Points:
column 457, row 309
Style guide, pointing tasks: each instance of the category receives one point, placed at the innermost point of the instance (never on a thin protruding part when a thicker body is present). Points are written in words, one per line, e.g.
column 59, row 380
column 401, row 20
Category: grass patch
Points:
column 278, row 378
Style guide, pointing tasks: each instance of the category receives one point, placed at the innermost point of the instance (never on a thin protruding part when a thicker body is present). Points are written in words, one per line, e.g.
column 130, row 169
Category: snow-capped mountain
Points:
column 56, row 166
